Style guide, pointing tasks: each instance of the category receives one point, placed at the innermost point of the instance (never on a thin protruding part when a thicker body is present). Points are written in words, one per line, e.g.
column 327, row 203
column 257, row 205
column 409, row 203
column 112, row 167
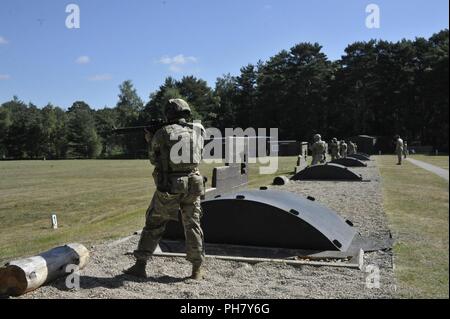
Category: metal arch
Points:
column 349, row 162
column 271, row 218
column 328, row 172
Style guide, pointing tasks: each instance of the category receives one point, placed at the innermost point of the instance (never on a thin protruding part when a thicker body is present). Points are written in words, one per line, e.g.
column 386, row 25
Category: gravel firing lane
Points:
column 360, row 202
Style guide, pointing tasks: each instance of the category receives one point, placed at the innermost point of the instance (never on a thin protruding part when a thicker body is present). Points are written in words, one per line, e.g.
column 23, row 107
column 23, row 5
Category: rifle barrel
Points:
column 152, row 127
column 131, row 129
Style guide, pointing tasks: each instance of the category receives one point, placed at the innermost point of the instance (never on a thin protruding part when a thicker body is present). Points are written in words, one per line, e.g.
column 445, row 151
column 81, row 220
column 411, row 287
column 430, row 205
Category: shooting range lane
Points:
column 359, row 202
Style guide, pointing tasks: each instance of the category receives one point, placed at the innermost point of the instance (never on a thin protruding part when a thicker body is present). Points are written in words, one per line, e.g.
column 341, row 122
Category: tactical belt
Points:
column 193, row 171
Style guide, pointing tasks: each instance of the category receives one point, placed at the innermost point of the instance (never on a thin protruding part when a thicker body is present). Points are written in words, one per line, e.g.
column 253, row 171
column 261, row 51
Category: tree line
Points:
column 378, row 88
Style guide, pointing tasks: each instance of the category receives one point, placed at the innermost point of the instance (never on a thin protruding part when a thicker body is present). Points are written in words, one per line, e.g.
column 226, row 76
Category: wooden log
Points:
column 23, row 275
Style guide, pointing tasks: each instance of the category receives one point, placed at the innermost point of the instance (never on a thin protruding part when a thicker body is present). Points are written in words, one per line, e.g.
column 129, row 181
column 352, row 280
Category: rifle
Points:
column 152, row 127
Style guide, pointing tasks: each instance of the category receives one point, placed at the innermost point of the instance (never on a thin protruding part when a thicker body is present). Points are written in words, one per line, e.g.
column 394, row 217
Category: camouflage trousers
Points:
column 405, row 153
column 163, row 208
column 335, row 155
column 317, row 159
column 399, row 156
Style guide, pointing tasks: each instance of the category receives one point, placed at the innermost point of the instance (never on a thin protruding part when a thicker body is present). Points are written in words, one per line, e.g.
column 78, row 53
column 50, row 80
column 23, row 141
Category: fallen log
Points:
column 23, row 275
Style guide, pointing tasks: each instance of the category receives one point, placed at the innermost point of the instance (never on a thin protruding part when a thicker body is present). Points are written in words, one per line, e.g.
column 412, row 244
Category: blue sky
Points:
column 42, row 61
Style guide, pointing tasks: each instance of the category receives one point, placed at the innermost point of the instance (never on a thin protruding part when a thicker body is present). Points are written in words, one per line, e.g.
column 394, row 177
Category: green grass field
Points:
column 417, row 205
column 93, row 199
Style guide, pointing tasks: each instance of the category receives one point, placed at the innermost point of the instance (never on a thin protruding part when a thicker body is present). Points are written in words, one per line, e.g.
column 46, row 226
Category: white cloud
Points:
column 84, row 59
column 4, row 77
column 175, row 68
column 3, row 40
column 100, row 77
column 178, row 59
column 175, row 63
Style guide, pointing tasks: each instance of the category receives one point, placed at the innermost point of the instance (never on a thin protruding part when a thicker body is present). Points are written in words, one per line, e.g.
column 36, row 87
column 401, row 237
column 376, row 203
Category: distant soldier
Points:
column 318, row 150
column 405, row 149
column 399, row 147
column 343, row 149
column 351, row 148
column 179, row 186
column 334, row 149
column 355, row 146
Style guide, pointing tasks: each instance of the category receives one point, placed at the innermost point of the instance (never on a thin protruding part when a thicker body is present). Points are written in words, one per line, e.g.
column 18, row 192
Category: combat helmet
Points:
column 177, row 108
column 317, row 137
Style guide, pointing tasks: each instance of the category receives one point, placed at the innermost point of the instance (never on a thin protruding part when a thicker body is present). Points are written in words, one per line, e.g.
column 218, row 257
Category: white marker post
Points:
column 54, row 221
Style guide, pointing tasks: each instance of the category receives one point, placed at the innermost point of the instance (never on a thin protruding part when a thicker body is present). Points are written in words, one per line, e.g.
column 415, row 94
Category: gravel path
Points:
column 431, row 168
column 360, row 202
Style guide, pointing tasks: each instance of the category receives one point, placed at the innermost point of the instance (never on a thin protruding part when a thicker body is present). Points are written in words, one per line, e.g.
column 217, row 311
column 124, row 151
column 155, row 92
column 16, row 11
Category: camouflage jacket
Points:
column 177, row 147
column 318, row 148
column 399, row 145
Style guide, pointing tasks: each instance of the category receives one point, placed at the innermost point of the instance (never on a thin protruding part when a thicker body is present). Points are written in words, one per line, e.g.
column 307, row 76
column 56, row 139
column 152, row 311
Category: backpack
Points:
column 185, row 144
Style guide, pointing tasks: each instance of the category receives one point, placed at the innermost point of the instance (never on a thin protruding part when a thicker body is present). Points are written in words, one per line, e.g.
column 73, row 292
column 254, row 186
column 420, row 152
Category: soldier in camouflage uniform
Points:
column 405, row 149
column 334, row 149
column 179, row 187
column 351, row 148
column 318, row 150
column 399, row 149
column 343, row 149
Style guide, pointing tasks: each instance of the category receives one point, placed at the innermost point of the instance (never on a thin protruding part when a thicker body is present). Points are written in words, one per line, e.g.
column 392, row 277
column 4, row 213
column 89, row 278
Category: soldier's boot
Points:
column 137, row 270
column 197, row 272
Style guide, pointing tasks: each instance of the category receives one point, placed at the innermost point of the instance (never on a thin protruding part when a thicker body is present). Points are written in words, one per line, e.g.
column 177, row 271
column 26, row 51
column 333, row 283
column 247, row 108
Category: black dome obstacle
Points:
column 271, row 218
column 349, row 162
column 360, row 156
column 327, row 172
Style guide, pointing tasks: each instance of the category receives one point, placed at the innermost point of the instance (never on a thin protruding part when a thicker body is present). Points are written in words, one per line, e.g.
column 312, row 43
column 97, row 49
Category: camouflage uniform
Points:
column 343, row 149
column 405, row 149
column 179, row 193
column 351, row 148
column 318, row 150
column 399, row 149
column 334, row 149
column 175, row 151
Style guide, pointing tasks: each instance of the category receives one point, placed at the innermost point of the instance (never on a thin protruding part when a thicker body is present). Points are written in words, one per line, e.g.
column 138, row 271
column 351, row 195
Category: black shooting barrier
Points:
column 327, row 172
column 360, row 156
column 349, row 162
column 270, row 218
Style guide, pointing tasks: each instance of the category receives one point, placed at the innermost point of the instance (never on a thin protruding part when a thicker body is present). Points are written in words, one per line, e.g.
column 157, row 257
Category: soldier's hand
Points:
column 148, row 136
